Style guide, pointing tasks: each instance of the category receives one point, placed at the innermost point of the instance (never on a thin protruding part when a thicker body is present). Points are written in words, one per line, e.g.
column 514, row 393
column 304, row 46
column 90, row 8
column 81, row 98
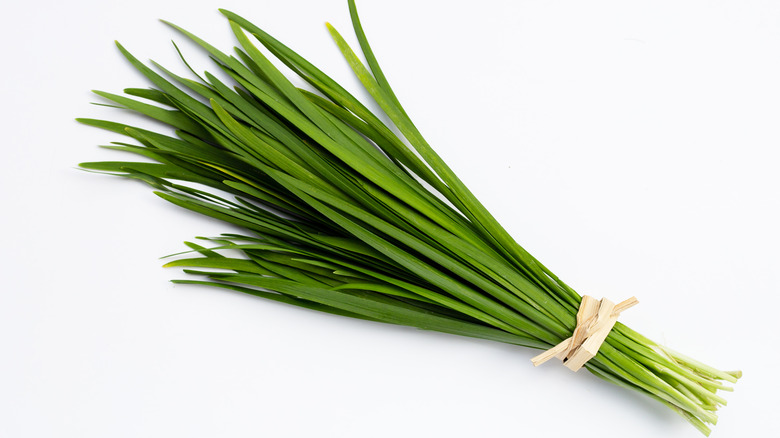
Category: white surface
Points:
column 631, row 146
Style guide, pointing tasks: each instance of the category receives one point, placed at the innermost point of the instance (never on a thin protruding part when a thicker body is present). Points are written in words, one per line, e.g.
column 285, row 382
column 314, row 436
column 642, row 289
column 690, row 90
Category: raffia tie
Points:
column 595, row 320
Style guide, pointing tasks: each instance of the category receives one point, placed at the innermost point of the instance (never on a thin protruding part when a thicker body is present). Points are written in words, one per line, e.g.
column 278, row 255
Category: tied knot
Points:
column 595, row 320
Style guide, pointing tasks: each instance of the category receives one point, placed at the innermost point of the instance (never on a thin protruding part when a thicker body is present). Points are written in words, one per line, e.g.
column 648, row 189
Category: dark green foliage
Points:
column 338, row 219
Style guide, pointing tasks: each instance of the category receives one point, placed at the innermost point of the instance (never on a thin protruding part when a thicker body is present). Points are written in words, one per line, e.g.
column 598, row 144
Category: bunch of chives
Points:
column 343, row 216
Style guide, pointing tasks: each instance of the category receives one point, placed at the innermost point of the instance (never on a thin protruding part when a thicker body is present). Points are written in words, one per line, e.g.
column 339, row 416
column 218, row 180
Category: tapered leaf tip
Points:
column 332, row 30
column 124, row 51
column 229, row 14
column 169, row 24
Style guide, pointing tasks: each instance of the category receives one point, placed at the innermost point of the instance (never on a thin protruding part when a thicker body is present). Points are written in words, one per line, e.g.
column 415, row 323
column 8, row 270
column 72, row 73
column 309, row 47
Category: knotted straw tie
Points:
column 595, row 320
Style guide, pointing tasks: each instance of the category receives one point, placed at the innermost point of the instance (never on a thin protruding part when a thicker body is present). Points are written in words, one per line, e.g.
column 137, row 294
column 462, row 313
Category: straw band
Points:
column 595, row 320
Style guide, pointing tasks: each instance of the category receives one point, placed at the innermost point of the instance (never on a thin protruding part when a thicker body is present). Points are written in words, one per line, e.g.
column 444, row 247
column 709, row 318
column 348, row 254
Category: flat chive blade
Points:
column 343, row 216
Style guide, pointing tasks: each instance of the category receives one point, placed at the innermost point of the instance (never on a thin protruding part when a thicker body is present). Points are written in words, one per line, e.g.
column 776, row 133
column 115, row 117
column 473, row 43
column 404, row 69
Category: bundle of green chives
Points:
column 343, row 217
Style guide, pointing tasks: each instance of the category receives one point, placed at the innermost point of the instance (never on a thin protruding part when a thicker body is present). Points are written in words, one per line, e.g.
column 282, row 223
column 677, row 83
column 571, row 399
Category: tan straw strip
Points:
column 595, row 320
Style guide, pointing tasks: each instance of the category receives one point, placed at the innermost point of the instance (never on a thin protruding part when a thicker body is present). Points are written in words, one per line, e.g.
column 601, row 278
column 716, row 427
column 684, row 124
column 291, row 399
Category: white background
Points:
column 631, row 146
